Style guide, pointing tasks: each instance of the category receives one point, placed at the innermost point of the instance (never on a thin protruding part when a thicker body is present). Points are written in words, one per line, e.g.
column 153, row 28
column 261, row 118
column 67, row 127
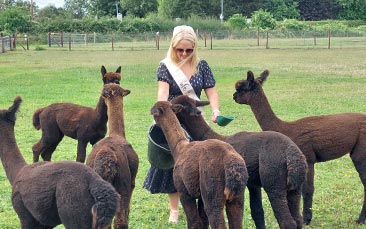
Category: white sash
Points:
column 181, row 79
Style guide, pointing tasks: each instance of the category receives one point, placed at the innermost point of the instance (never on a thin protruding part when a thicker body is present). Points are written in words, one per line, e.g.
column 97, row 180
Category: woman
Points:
column 181, row 65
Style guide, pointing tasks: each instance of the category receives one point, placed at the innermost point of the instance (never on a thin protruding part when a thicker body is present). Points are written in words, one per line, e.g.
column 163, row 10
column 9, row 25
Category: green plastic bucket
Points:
column 158, row 150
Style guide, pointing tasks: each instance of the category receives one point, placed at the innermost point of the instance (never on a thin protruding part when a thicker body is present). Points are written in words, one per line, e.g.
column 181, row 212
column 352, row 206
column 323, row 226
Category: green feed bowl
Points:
column 224, row 120
column 159, row 154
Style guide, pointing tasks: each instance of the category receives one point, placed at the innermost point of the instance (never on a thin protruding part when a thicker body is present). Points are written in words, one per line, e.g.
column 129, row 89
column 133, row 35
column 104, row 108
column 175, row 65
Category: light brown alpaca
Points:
column 210, row 171
column 85, row 124
column 266, row 153
column 47, row 194
column 113, row 158
column 321, row 138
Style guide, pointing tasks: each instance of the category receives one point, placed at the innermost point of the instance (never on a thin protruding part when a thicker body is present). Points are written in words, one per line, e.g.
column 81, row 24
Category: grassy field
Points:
column 302, row 82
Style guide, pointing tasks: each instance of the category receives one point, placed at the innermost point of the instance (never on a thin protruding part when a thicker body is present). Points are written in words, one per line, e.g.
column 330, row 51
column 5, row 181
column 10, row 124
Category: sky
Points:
column 43, row 3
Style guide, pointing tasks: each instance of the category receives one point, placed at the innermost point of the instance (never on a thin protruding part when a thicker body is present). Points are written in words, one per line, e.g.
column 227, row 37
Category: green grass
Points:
column 302, row 82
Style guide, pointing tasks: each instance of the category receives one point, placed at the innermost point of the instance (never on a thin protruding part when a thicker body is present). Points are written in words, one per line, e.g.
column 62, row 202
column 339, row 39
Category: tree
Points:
column 103, row 8
column 13, row 20
column 77, row 8
column 263, row 20
column 314, row 10
column 51, row 13
column 139, row 8
column 166, row 8
column 283, row 9
column 352, row 10
column 238, row 21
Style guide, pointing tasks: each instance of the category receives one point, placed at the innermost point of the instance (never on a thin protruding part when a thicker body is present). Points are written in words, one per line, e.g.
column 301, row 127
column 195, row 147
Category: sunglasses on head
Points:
column 188, row 51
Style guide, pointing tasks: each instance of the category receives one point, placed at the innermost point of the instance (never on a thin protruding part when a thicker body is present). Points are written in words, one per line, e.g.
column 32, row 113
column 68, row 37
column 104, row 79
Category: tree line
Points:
column 160, row 15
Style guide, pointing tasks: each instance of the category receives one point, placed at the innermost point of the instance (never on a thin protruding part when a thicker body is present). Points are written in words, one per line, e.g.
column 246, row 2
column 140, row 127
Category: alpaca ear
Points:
column 118, row 69
column 202, row 103
column 126, row 92
column 103, row 70
column 14, row 108
column 250, row 76
column 177, row 108
column 155, row 111
column 263, row 76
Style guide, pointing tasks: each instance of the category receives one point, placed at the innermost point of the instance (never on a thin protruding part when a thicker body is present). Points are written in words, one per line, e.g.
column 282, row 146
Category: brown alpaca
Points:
column 113, row 158
column 321, row 138
column 265, row 153
column 84, row 124
column 111, row 77
column 210, row 171
column 47, row 194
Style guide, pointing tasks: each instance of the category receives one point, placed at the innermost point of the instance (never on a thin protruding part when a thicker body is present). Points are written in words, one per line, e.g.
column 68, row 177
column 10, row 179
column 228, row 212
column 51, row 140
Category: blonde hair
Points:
column 184, row 32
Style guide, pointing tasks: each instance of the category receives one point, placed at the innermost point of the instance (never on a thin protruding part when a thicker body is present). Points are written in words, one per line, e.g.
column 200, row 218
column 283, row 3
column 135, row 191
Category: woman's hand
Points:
column 215, row 113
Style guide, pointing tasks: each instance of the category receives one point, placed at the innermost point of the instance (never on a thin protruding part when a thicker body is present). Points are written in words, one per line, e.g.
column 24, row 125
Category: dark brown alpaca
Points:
column 47, row 194
column 273, row 160
column 210, row 171
column 113, row 158
column 85, row 124
column 321, row 138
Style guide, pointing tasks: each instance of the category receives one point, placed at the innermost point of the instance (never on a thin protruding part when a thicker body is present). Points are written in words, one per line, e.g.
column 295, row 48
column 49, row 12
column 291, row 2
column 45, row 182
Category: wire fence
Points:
column 209, row 40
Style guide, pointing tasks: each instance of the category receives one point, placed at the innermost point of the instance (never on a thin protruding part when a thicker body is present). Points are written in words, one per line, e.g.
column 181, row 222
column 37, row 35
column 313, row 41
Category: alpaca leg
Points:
column 190, row 208
column 81, row 154
column 27, row 221
column 121, row 218
column 293, row 199
column 214, row 203
column 359, row 161
column 256, row 208
column 36, row 152
column 45, row 147
column 215, row 213
column 235, row 211
column 280, row 208
column 202, row 213
column 308, row 193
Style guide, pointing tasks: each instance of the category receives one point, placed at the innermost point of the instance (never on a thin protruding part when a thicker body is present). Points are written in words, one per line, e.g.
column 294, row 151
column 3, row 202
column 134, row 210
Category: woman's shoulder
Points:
column 202, row 62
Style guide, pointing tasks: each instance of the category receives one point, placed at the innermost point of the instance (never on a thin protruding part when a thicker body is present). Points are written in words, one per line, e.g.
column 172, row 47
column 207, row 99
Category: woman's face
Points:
column 184, row 49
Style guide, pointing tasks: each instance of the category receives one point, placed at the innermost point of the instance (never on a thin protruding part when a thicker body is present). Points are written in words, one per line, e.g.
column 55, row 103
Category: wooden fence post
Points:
column 205, row 37
column 211, row 39
column 267, row 46
column 27, row 40
column 62, row 39
column 157, row 40
column 329, row 39
column 70, row 42
column 2, row 43
column 112, row 41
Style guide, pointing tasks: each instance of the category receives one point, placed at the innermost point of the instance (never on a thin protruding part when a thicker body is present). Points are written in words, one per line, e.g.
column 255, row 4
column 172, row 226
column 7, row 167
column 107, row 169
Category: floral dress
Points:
column 161, row 180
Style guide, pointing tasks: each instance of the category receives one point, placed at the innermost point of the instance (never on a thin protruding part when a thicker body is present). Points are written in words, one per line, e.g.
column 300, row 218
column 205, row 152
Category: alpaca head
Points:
column 111, row 77
column 9, row 114
column 161, row 112
column 189, row 106
column 113, row 90
column 245, row 88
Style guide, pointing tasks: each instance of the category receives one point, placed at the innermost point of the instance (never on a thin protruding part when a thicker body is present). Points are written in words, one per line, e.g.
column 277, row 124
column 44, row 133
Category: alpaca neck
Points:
column 101, row 110
column 12, row 159
column 116, row 124
column 263, row 112
column 173, row 132
column 198, row 128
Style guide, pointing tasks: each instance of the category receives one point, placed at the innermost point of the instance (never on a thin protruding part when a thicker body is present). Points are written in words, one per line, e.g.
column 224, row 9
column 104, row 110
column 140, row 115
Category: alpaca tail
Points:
column 36, row 122
column 106, row 165
column 296, row 167
column 236, row 176
column 106, row 203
